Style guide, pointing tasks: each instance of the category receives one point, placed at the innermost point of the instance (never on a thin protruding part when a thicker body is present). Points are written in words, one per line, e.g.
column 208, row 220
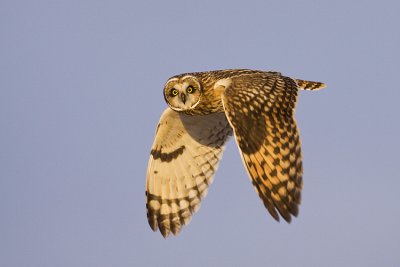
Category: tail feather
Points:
column 309, row 85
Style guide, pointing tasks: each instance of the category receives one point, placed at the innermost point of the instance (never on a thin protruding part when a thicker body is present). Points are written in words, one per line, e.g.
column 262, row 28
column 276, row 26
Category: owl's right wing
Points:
column 260, row 109
column 183, row 160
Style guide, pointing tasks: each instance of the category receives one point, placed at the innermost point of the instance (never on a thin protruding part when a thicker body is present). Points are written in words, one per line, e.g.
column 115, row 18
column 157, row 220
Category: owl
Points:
column 205, row 109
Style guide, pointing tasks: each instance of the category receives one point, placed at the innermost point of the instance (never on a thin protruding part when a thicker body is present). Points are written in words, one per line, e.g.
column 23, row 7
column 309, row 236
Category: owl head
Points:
column 182, row 93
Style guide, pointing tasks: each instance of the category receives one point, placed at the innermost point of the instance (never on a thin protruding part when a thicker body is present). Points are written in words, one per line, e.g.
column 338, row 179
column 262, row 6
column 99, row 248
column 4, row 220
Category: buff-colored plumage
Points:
column 205, row 109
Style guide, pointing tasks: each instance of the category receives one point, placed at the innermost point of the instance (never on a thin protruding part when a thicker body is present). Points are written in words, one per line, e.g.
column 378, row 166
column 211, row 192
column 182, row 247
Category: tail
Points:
column 308, row 85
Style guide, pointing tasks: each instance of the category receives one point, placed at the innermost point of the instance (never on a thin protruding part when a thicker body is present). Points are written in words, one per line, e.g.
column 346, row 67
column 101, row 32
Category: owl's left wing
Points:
column 183, row 160
column 260, row 108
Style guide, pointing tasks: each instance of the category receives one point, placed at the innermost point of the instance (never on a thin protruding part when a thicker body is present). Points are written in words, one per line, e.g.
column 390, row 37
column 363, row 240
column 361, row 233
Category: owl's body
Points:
column 205, row 109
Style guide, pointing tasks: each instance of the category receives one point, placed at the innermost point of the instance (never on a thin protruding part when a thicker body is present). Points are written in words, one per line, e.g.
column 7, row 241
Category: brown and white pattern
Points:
column 183, row 160
column 205, row 108
column 268, row 138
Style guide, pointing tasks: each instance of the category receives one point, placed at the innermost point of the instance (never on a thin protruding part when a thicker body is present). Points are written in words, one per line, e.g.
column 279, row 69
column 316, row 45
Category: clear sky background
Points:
column 81, row 94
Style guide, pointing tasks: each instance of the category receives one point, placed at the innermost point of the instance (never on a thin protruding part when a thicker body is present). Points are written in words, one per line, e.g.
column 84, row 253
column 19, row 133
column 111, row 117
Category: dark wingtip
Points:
column 273, row 213
column 152, row 220
column 285, row 214
column 294, row 209
column 164, row 232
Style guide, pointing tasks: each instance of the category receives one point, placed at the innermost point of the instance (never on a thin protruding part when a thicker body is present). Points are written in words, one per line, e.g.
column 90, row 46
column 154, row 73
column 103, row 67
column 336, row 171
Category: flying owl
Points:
column 205, row 109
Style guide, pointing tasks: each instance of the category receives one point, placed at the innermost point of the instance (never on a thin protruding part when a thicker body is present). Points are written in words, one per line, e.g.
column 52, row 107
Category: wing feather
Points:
column 183, row 160
column 260, row 108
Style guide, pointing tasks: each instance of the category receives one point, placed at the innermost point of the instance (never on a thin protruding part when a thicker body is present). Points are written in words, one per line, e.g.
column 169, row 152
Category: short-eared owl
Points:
column 205, row 108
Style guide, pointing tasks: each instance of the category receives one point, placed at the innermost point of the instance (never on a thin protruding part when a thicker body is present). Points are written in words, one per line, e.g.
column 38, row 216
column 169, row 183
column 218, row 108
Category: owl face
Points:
column 182, row 93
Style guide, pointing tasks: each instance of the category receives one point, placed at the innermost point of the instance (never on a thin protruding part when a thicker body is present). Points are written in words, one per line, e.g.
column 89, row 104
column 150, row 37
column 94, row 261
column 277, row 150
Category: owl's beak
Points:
column 183, row 97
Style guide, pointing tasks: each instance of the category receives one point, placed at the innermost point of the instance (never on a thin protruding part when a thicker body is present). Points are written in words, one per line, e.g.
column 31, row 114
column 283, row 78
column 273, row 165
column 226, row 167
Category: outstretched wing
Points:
column 260, row 108
column 183, row 160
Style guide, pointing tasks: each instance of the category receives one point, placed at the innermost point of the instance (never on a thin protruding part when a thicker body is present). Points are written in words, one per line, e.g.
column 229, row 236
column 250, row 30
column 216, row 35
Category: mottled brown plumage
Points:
column 204, row 109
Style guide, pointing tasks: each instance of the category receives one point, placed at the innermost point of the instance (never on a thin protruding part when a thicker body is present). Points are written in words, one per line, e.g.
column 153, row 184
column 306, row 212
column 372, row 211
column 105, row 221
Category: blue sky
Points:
column 81, row 94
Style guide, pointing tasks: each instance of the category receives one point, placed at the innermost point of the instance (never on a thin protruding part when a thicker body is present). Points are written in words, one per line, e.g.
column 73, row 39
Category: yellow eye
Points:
column 190, row 90
column 174, row 92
